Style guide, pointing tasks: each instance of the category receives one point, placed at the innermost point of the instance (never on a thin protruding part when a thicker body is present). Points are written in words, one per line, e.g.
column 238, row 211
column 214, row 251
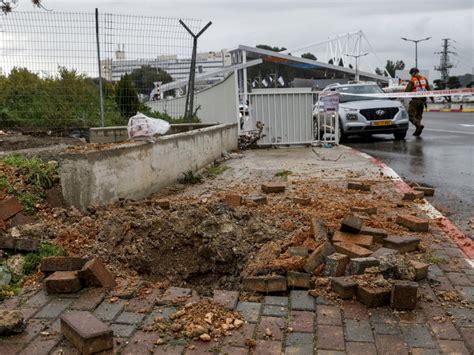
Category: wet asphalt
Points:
column 443, row 158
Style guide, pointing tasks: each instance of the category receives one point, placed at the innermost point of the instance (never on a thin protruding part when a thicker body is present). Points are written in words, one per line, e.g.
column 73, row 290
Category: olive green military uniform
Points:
column 416, row 106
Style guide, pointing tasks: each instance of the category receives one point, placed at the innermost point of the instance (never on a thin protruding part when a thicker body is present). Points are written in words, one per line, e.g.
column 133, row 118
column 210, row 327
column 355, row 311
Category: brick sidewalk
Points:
column 297, row 323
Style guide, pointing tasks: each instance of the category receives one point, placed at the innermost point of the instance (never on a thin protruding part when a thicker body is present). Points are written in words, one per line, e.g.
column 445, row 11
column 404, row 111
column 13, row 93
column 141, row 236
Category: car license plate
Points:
column 382, row 123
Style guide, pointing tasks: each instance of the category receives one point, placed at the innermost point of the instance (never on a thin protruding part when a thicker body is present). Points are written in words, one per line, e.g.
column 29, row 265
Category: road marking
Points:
column 447, row 131
column 467, row 125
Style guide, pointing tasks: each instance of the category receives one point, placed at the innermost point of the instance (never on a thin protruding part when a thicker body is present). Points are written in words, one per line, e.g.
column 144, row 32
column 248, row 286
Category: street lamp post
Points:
column 357, row 63
column 416, row 46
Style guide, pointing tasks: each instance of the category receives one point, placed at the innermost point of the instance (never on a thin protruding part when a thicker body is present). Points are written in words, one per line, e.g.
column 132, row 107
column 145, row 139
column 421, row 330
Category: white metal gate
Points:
column 290, row 117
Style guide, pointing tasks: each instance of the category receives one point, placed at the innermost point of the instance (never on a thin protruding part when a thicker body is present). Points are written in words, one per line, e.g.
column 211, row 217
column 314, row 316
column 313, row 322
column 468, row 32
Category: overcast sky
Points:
column 293, row 23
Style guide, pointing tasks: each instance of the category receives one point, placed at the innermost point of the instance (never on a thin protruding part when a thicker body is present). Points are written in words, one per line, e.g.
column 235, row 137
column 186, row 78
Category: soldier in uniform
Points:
column 418, row 83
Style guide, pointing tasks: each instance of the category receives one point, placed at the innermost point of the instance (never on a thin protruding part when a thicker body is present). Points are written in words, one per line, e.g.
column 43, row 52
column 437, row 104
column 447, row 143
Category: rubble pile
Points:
column 202, row 320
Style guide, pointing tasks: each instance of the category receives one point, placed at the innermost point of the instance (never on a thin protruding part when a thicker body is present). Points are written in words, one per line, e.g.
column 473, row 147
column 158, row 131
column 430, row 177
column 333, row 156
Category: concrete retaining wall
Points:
column 137, row 170
column 117, row 134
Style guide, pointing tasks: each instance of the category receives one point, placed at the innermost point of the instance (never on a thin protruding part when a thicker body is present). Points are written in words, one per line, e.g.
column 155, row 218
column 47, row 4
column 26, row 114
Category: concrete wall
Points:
column 219, row 103
column 119, row 133
column 138, row 169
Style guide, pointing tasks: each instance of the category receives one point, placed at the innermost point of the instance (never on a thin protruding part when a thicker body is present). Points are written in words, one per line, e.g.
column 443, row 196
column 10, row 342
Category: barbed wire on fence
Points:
column 49, row 69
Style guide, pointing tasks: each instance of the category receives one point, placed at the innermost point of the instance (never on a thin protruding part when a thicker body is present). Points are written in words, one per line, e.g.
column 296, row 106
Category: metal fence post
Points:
column 101, row 95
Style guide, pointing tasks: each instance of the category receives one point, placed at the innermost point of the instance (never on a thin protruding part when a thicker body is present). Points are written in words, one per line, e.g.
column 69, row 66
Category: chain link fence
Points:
column 52, row 66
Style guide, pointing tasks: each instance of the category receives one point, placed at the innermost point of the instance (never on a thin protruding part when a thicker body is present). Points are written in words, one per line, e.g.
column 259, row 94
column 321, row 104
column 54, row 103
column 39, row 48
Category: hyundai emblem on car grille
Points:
column 380, row 112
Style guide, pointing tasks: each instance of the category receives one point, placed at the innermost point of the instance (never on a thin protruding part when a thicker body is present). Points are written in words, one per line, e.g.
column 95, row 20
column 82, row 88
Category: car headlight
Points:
column 404, row 112
column 351, row 114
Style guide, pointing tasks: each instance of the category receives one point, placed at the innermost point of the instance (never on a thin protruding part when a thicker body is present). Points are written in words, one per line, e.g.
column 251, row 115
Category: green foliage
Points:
column 439, row 84
column 215, row 170
column 190, row 178
column 29, row 201
column 453, row 82
column 67, row 100
column 391, row 67
column 32, row 260
column 309, row 56
column 165, row 117
column 144, row 77
column 5, row 184
column 9, row 291
column 270, row 48
column 126, row 97
column 284, row 173
column 39, row 174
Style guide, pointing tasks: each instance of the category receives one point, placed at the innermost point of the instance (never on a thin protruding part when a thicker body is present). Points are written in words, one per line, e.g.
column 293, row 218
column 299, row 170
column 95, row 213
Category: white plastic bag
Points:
column 144, row 126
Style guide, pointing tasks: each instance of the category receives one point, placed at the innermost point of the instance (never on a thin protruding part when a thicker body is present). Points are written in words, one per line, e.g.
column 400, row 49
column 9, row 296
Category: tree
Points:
column 439, row 84
column 7, row 6
column 391, row 67
column 470, row 85
column 126, row 97
column 144, row 77
column 309, row 56
column 270, row 48
column 453, row 82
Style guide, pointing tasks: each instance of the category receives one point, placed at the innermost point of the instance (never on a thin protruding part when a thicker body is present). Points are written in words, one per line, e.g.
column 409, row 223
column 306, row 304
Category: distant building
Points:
column 178, row 68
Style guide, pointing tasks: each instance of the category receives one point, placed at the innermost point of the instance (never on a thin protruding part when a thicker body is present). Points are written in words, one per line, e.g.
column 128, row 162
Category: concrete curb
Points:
column 465, row 243
column 451, row 110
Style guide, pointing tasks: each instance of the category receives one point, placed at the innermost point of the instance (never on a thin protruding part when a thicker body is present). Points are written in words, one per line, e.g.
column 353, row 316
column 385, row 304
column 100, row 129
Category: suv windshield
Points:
column 359, row 89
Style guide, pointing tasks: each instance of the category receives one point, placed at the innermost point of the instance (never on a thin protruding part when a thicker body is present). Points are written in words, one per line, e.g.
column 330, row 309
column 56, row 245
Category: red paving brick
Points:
column 141, row 343
column 274, row 324
column 328, row 315
column 330, row 337
column 444, row 330
column 355, row 310
column 302, row 321
column 239, row 336
column 453, row 347
column 353, row 348
column 468, row 335
column 391, row 345
column 40, row 346
column 268, row 347
column 143, row 304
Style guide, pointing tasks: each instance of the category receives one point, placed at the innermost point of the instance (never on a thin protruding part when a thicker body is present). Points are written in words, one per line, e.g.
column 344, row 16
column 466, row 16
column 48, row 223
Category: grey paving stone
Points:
column 467, row 292
column 303, row 349
column 324, row 301
column 130, row 318
column 40, row 299
column 123, row 330
column 276, row 300
column 274, row 311
column 250, row 310
column 462, row 317
column 417, row 336
column 109, row 311
column 434, row 270
column 299, row 339
column 54, row 308
column 301, row 301
column 330, row 352
column 386, row 328
column 358, row 330
column 162, row 311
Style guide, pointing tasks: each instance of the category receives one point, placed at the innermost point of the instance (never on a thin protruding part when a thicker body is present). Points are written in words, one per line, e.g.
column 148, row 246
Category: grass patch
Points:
column 432, row 259
column 217, row 169
column 9, row 291
column 32, row 260
column 37, row 173
column 191, row 178
column 284, row 173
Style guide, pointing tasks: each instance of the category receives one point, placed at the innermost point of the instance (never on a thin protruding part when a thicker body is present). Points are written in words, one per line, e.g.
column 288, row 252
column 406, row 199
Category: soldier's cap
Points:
column 414, row 71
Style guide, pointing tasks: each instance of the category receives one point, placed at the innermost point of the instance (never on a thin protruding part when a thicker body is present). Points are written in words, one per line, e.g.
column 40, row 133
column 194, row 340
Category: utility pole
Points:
column 188, row 114
column 445, row 63
column 357, row 63
column 416, row 46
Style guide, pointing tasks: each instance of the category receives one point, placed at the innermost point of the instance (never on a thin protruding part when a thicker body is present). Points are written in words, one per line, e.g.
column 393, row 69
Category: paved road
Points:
column 443, row 157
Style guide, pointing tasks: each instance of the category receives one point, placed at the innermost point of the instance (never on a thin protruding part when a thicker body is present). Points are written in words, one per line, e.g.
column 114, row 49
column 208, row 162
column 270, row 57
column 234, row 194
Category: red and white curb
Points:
column 464, row 243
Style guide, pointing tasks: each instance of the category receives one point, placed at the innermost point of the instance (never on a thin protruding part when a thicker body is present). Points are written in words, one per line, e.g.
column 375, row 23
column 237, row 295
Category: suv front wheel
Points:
column 400, row 135
column 342, row 135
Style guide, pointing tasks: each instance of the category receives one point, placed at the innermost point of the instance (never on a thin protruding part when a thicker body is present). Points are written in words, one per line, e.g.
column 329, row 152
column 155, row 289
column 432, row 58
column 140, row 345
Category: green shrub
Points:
column 32, row 260
column 39, row 174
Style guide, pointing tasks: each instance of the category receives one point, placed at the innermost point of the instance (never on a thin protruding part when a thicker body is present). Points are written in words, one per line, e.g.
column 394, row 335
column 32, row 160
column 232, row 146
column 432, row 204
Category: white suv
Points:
column 365, row 115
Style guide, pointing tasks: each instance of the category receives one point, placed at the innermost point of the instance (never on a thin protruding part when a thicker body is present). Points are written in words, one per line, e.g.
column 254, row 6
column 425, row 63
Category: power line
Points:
column 445, row 63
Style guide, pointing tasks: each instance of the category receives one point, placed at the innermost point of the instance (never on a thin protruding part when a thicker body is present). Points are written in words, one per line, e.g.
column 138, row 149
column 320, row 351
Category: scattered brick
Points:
column 304, row 201
column 273, row 187
column 336, row 265
column 378, row 234
column 318, row 229
column 351, row 224
column 9, row 207
column 402, row 244
column 233, row 200
column 265, row 284
column 87, row 333
column 366, row 210
column 95, row 273
column 415, row 224
column 352, row 250
column 404, row 295
column 357, row 266
column 362, row 240
column 228, row 299
column 258, row 199
column 62, row 282
column 164, row 204
column 344, row 287
column 317, row 257
column 427, row 191
column 62, row 263
column 298, row 279
column 421, row 270
column 18, row 244
column 358, row 186
column 383, row 251
column 413, row 195
column 298, row 251
column 373, row 296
